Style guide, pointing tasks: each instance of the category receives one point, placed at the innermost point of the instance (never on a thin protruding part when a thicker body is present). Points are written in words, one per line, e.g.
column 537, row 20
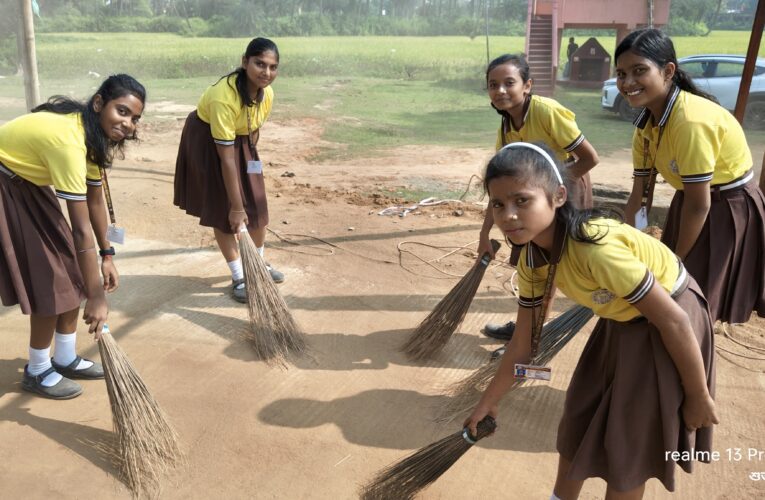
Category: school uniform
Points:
column 546, row 120
column 623, row 405
column 38, row 261
column 702, row 142
column 220, row 118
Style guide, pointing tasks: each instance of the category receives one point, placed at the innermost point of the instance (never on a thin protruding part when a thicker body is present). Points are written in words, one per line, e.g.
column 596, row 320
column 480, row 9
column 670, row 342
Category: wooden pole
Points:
column 751, row 58
column 746, row 78
column 488, row 58
column 31, row 82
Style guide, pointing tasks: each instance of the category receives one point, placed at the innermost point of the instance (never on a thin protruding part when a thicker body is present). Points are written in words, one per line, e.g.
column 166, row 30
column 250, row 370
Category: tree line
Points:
column 236, row 18
column 244, row 18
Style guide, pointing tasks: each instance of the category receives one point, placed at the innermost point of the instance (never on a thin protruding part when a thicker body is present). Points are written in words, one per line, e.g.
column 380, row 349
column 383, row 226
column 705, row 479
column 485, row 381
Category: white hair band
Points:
column 540, row 151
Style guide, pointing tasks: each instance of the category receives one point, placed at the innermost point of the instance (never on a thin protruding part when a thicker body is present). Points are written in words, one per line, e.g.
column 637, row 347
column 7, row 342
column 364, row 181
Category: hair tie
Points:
column 540, row 151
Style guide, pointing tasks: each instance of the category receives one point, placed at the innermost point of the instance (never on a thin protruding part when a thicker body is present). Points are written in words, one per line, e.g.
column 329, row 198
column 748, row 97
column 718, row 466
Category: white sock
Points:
column 237, row 272
column 39, row 361
column 65, row 352
column 261, row 250
column 554, row 497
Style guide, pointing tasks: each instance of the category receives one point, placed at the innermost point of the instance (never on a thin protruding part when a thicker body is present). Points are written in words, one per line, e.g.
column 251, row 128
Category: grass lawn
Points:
column 374, row 92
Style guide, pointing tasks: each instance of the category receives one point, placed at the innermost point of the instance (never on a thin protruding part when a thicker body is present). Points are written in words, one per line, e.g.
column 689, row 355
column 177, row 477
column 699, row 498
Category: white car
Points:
column 716, row 74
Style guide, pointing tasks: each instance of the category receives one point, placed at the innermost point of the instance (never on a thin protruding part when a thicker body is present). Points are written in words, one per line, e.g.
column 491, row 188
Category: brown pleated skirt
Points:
column 581, row 194
column 623, row 406
column 728, row 259
column 38, row 261
column 199, row 187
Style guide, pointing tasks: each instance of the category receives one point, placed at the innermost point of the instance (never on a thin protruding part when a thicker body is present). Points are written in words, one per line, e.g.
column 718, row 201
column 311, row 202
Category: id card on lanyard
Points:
column 254, row 165
column 113, row 233
column 533, row 370
column 641, row 217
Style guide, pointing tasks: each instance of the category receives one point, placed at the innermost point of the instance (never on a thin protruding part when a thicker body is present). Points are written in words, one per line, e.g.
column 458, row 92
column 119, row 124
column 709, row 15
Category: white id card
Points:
column 528, row 372
column 254, row 167
column 641, row 219
column 115, row 234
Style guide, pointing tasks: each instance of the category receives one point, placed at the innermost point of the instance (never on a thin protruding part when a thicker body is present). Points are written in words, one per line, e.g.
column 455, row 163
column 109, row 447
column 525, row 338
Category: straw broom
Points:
column 407, row 477
column 147, row 444
column 275, row 333
column 437, row 328
column 466, row 393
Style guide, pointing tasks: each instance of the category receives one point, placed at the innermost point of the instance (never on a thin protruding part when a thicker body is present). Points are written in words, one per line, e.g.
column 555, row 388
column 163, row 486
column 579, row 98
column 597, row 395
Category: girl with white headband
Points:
column 530, row 118
column 644, row 385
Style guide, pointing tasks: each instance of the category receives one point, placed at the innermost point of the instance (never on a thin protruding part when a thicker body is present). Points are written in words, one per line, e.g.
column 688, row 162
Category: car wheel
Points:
column 754, row 116
column 626, row 112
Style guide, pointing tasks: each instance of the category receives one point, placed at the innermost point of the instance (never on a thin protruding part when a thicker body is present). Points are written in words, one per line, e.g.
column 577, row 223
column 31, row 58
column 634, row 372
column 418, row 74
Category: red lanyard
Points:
column 107, row 194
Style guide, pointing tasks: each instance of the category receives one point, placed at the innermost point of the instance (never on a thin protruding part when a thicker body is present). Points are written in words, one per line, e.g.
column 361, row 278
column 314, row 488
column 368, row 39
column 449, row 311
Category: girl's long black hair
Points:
column 517, row 60
column 658, row 47
column 100, row 149
column 256, row 47
column 526, row 163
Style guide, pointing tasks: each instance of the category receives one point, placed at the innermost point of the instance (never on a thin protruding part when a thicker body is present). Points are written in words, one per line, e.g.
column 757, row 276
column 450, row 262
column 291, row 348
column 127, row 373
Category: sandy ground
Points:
column 320, row 428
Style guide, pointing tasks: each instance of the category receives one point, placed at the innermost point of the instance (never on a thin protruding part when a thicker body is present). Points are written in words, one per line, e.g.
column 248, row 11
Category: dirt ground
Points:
column 321, row 428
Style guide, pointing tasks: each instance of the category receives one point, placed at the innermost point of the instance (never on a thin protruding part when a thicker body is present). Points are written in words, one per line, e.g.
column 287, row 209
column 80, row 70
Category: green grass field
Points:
column 375, row 92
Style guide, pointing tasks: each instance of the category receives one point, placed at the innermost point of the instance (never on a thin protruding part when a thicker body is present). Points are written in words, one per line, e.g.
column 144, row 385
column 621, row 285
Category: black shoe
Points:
column 93, row 372
column 500, row 332
column 498, row 353
column 64, row 389
column 238, row 291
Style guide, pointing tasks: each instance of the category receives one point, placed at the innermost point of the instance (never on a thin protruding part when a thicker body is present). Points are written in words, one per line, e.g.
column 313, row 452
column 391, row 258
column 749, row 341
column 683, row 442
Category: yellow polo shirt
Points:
column 222, row 108
column 48, row 149
column 701, row 142
column 607, row 276
column 548, row 121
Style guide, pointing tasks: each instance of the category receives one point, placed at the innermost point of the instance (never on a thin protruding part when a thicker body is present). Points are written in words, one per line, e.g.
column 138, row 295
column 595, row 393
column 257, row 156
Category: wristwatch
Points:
column 108, row 251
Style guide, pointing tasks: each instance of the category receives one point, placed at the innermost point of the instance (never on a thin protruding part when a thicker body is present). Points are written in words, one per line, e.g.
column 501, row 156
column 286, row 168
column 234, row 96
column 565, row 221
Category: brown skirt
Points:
column 728, row 259
column 581, row 195
column 38, row 262
column 623, row 405
column 199, row 186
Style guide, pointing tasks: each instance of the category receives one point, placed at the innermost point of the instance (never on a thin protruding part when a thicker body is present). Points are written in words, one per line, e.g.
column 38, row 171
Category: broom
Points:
column 437, row 328
column 147, row 444
column 466, row 393
column 275, row 333
column 405, row 478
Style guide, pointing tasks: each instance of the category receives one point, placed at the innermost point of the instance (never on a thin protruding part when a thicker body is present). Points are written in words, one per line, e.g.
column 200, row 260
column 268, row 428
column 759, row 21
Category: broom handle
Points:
column 486, row 426
column 486, row 257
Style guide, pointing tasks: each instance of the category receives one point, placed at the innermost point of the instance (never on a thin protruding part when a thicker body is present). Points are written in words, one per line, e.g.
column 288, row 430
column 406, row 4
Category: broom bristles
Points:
column 274, row 333
column 465, row 393
column 148, row 446
column 433, row 333
column 405, row 478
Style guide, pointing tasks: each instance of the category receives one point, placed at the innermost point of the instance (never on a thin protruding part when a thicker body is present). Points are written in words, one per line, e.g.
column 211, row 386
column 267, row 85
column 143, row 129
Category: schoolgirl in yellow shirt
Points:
column 47, row 267
column 644, row 383
column 218, row 173
column 528, row 117
column 716, row 221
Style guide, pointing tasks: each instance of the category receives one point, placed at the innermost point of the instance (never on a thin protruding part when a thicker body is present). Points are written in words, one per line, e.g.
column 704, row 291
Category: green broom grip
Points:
column 486, row 258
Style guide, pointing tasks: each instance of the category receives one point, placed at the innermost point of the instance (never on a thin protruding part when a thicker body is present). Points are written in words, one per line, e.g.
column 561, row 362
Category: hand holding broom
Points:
column 556, row 334
column 437, row 328
column 407, row 477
